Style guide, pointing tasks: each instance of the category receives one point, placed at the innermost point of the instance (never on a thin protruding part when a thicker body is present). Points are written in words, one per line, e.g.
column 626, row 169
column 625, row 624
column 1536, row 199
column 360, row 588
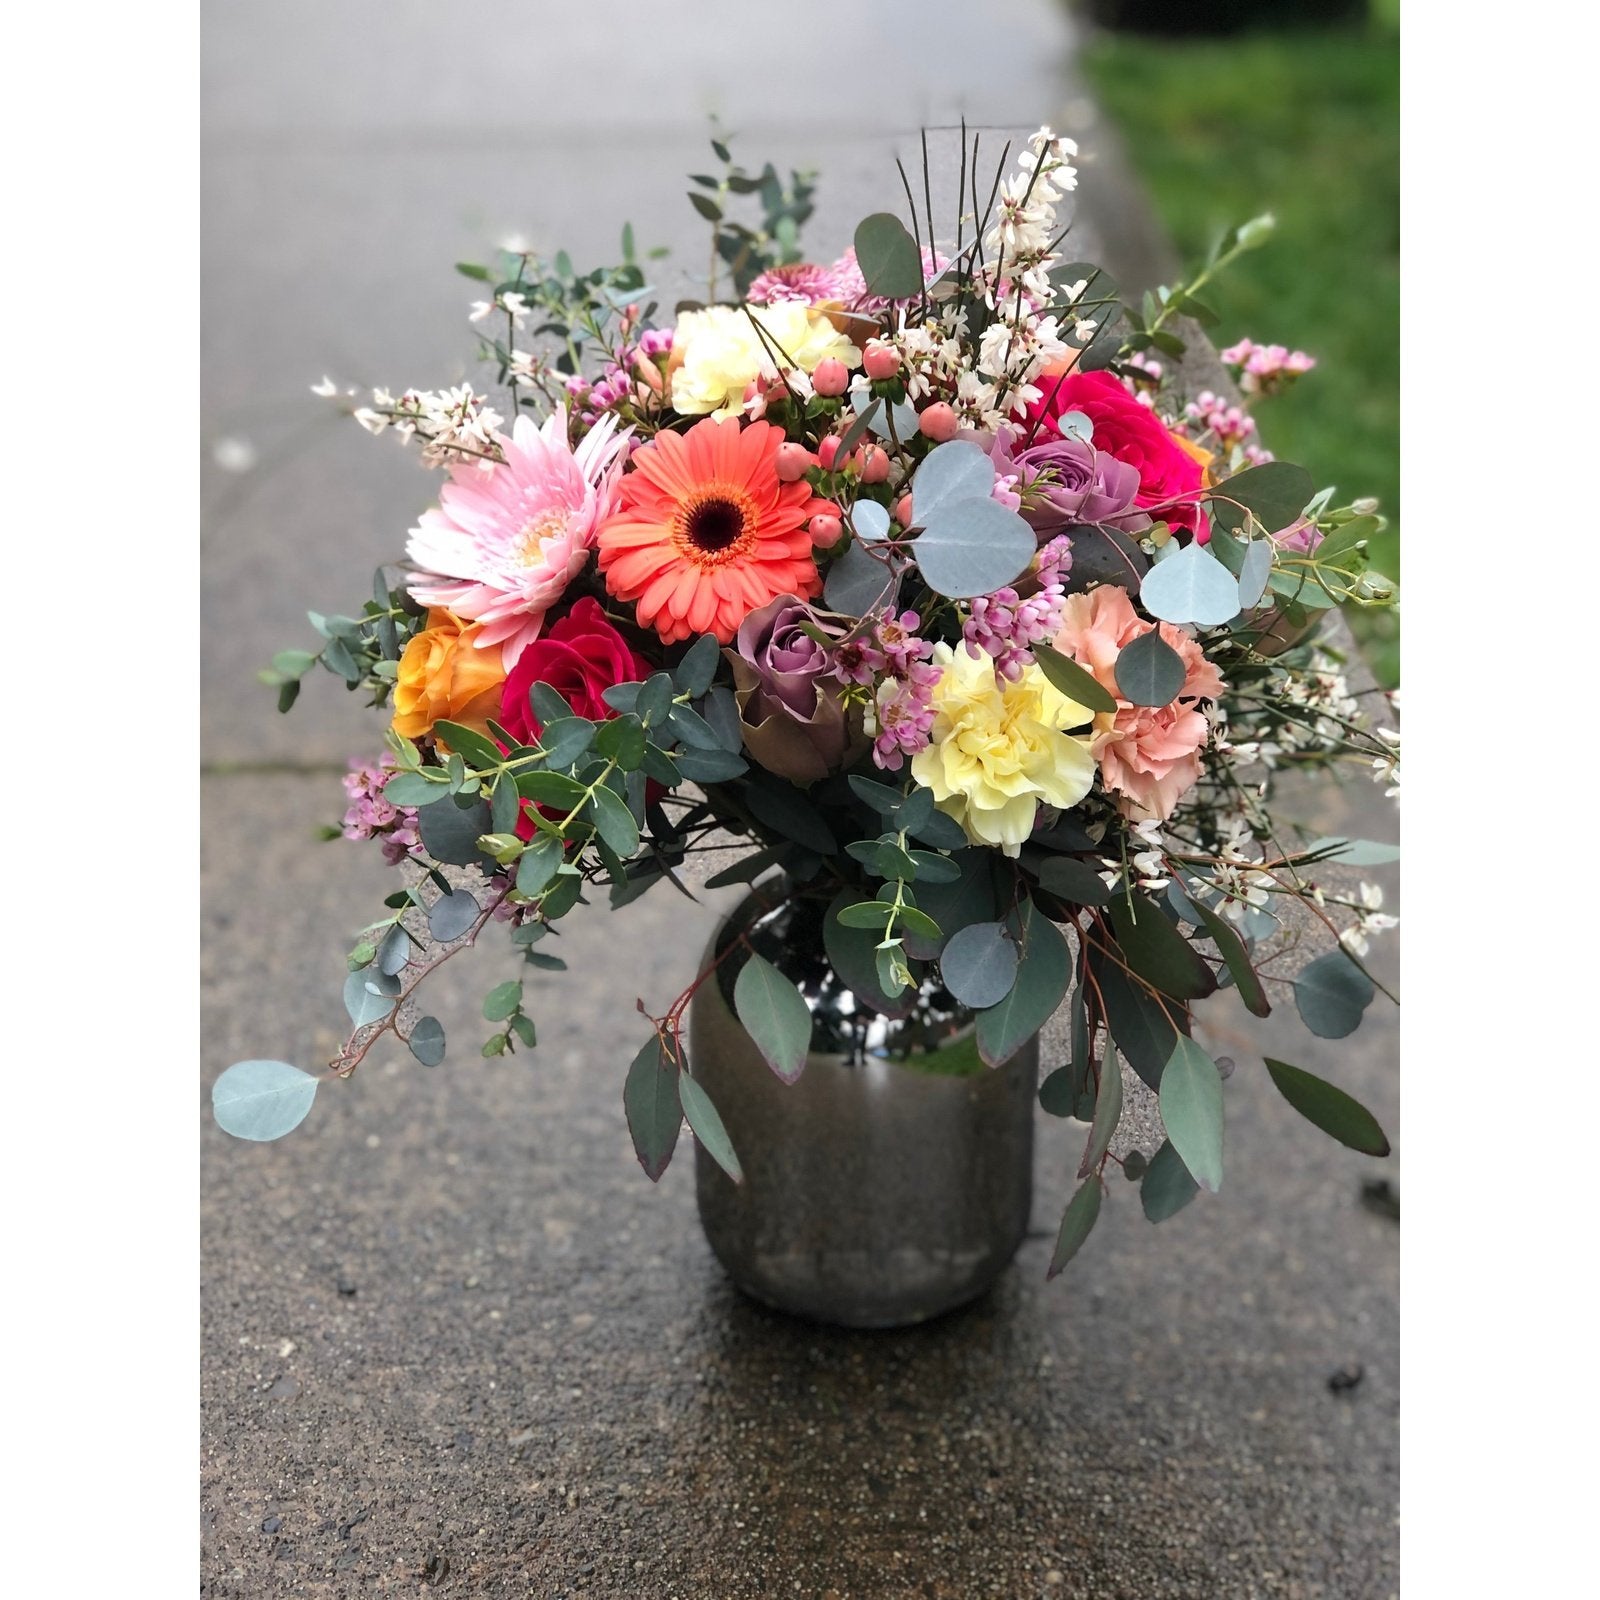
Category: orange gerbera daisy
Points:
column 705, row 532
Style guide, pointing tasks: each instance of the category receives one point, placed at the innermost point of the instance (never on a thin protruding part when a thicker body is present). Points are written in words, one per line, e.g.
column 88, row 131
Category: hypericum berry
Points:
column 793, row 462
column 872, row 463
column 831, row 378
column 902, row 511
column 881, row 360
column 938, row 422
column 826, row 530
column 828, row 452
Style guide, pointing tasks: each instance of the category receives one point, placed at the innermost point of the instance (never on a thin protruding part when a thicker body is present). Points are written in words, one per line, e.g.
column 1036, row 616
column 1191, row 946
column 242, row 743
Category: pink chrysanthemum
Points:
column 506, row 539
column 802, row 280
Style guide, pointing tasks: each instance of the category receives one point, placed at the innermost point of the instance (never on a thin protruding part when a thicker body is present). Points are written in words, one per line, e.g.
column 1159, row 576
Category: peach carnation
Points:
column 1149, row 755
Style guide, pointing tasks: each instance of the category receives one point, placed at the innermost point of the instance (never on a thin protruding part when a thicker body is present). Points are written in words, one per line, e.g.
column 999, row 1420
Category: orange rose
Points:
column 1196, row 452
column 443, row 678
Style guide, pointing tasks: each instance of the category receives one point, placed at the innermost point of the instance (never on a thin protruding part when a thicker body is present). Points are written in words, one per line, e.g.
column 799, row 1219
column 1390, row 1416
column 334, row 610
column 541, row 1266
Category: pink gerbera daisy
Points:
column 506, row 539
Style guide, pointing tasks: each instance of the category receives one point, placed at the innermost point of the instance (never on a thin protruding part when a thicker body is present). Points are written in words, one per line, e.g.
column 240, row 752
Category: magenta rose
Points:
column 581, row 657
column 1169, row 477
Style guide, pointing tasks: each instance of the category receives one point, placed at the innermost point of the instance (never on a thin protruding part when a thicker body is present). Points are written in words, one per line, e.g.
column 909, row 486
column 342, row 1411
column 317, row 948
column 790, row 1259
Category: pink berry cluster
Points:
column 1007, row 627
column 370, row 816
column 1266, row 368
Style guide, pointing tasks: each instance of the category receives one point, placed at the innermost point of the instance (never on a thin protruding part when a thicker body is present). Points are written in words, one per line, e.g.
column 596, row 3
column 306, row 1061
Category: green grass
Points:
column 1306, row 125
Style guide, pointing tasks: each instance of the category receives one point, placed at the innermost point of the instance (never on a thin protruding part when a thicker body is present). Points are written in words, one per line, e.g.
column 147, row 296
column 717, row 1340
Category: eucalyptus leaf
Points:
column 427, row 1041
column 1191, row 1111
column 451, row 915
column 1191, row 586
column 1167, row 1186
column 262, row 1100
column 856, row 583
column 1143, row 1026
column 1073, row 880
column 1149, row 671
column 709, row 766
column 1075, row 682
column 1275, row 493
column 412, row 789
column 1251, row 989
column 951, row 473
column 979, row 964
column 887, row 255
column 1043, row 973
column 1083, row 1210
column 870, row 520
column 693, row 674
column 539, row 863
column 972, row 547
column 395, row 950
column 363, row 1004
column 1107, row 1114
column 1354, row 852
column 450, row 832
column 774, row 1015
column 502, row 1000
column 615, row 822
column 1254, row 573
column 708, row 1128
column 1331, row 994
column 650, row 1096
column 1329, row 1108
column 1155, row 949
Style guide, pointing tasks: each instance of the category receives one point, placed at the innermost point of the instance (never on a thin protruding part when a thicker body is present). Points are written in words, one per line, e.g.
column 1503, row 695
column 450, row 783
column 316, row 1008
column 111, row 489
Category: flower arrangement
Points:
column 912, row 574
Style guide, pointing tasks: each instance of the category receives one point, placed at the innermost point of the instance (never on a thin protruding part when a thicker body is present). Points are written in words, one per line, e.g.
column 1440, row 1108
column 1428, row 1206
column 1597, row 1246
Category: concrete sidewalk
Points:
column 454, row 1342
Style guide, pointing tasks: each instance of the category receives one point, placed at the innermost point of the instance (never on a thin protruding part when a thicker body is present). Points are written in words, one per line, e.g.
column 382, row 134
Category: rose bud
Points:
column 938, row 422
column 794, row 461
column 831, row 378
column 881, row 360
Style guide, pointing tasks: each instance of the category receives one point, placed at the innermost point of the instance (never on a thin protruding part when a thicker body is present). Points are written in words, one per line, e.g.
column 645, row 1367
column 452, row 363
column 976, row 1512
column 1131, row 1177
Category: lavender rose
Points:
column 795, row 724
column 1064, row 481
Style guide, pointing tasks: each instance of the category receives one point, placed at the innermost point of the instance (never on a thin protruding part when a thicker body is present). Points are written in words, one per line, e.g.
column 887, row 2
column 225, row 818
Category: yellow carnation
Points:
column 716, row 353
column 997, row 749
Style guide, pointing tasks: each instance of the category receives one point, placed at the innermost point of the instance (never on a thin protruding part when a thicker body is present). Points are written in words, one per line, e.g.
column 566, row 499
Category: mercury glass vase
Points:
column 892, row 1181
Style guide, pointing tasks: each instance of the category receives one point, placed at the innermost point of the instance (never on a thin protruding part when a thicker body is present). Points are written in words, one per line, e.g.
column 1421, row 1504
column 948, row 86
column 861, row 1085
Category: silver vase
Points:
column 892, row 1181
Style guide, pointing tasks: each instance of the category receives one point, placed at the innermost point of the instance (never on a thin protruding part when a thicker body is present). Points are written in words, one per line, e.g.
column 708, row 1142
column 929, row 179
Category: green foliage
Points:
column 1191, row 1110
column 774, row 1015
column 262, row 1100
column 1331, row 993
column 650, row 1096
column 1083, row 1211
column 1043, row 973
column 708, row 1129
column 1306, row 122
column 1329, row 1107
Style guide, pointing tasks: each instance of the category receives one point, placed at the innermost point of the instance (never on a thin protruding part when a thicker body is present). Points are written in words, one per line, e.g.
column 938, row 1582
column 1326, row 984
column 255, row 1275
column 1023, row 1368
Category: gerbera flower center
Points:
column 715, row 524
column 527, row 549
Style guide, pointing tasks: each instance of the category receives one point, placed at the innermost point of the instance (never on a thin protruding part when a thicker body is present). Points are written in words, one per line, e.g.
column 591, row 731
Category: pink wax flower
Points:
column 1170, row 477
column 1149, row 755
column 508, row 537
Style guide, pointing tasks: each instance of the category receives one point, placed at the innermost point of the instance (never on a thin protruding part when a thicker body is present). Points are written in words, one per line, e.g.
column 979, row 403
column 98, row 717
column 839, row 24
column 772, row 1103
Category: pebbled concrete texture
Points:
column 454, row 1343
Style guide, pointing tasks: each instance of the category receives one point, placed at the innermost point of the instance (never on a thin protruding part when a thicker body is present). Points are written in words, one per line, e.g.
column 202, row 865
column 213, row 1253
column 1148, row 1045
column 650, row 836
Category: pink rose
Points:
column 1149, row 755
column 1170, row 478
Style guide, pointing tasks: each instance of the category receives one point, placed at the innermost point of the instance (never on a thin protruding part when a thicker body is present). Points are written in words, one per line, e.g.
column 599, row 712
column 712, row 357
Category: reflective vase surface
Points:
column 892, row 1181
